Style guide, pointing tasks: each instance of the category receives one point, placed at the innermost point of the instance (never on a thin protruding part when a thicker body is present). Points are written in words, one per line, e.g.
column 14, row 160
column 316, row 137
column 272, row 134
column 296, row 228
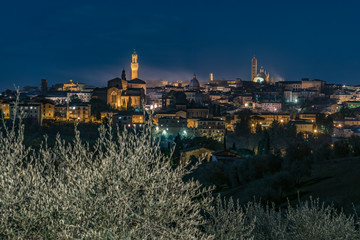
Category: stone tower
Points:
column 253, row 68
column 134, row 66
column 123, row 75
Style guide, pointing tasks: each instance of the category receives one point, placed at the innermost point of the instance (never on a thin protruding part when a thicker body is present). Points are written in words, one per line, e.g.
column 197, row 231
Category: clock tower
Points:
column 134, row 66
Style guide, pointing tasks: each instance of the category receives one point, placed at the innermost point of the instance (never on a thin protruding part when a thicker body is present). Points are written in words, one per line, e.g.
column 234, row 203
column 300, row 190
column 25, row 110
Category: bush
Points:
column 312, row 220
column 308, row 220
column 228, row 220
column 125, row 188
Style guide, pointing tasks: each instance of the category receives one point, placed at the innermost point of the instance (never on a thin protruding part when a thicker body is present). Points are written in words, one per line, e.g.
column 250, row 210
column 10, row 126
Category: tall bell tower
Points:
column 253, row 68
column 134, row 66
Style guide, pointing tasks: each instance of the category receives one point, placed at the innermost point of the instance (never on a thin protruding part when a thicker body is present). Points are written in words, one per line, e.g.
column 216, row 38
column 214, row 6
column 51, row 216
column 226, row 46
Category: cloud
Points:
column 277, row 77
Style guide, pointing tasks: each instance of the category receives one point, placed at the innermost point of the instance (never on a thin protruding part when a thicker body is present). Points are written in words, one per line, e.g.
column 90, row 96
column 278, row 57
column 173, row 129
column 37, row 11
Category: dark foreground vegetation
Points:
column 124, row 187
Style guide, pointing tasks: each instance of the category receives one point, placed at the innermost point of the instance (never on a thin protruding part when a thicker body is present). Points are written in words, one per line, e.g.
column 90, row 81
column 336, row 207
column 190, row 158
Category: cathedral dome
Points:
column 261, row 75
column 194, row 84
column 259, row 78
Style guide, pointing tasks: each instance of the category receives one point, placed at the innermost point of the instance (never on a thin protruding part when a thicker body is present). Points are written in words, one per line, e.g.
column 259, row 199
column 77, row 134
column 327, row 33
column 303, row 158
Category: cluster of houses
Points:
column 190, row 107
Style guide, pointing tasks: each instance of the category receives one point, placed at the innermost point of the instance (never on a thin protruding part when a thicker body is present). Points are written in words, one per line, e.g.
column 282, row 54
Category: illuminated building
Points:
column 197, row 152
column 47, row 110
column 265, row 120
column 71, row 86
column 262, row 76
column 122, row 94
column 134, row 66
column 5, row 110
column 165, row 114
column 178, row 83
column 27, row 110
column 311, row 117
column 84, row 96
column 137, row 83
column 211, row 77
column 269, row 106
column 79, row 112
column 253, row 68
column 60, row 112
column 211, row 128
column 304, row 126
column 128, row 119
column 173, row 125
column 352, row 104
column 197, row 112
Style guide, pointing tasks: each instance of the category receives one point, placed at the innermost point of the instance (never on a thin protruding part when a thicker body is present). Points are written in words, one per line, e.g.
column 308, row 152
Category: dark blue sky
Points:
column 91, row 41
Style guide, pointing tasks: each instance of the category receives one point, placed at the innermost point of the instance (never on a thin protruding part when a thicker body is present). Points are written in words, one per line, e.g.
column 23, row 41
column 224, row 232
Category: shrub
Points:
column 228, row 220
column 124, row 188
column 312, row 220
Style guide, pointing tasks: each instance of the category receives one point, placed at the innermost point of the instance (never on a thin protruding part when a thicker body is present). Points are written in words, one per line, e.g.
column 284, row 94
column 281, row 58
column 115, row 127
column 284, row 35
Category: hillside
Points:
column 336, row 181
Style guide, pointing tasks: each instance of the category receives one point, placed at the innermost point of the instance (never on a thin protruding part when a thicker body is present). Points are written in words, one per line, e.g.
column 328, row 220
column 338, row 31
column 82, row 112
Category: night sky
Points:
column 92, row 41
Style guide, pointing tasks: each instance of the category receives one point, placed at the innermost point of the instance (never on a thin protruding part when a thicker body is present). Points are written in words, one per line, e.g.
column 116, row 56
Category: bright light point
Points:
column 185, row 132
column 157, row 128
column 164, row 132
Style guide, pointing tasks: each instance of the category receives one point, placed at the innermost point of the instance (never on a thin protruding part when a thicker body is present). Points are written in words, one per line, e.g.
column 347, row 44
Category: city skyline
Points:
column 92, row 42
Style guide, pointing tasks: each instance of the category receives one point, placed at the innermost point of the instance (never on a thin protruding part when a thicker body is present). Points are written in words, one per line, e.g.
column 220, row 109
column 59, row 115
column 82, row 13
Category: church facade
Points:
column 123, row 94
column 259, row 77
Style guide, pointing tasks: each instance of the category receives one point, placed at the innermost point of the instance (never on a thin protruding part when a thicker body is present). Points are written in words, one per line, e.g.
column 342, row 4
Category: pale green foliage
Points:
column 270, row 224
column 307, row 221
column 312, row 220
column 124, row 189
column 229, row 221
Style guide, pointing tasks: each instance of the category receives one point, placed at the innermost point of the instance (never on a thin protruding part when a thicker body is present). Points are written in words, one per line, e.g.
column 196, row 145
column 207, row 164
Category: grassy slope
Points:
column 333, row 181
column 336, row 181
